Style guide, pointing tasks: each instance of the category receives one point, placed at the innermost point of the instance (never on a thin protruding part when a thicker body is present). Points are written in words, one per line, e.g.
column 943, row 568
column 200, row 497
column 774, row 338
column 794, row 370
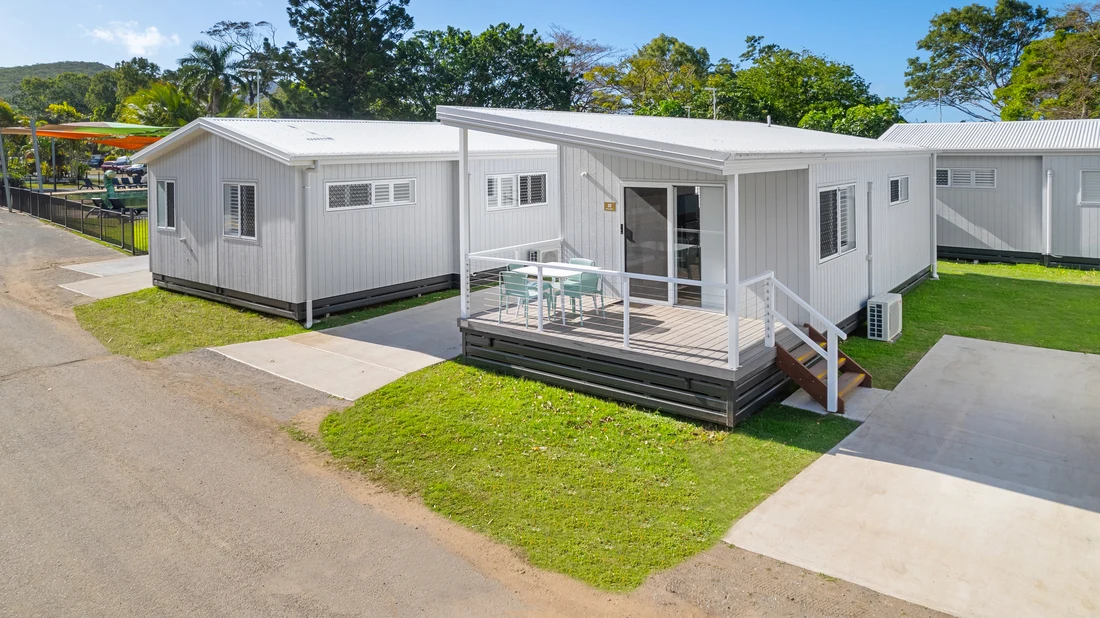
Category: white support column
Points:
column 4, row 166
column 464, row 219
column 540, row 296
column 626, row 312
column 933, row 207
column 733, row 271
column 37, row 159
column 1048, row 205
column 833, row 366
column 309, row 178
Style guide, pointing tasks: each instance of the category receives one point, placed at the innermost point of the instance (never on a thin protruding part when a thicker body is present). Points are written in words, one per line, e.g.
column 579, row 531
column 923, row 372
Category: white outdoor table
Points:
column 552, row 270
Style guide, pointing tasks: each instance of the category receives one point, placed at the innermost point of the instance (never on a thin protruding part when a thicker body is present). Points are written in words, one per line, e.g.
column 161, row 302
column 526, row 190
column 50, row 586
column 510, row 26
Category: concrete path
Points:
column 974, row 488
column 112, row 277
column 351, row 361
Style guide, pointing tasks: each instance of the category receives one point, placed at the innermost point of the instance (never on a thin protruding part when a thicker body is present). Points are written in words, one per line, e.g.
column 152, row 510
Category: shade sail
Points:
column 117, row 134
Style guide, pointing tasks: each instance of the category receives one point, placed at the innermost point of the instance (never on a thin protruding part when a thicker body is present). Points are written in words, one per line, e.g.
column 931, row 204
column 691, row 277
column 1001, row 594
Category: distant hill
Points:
column 11, row 76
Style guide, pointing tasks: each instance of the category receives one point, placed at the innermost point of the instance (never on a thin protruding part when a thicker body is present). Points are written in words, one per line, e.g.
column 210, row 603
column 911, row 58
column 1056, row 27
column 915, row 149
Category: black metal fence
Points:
column 126, row 229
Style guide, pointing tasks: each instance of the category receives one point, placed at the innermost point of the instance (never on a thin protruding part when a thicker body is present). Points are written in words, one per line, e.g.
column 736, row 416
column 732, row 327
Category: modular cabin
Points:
column 304, row 217
column 700, row 263
column 1026, row 191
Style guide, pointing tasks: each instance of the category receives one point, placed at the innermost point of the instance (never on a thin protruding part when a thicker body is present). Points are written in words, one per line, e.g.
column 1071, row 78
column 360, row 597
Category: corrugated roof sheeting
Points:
column 1027, row 135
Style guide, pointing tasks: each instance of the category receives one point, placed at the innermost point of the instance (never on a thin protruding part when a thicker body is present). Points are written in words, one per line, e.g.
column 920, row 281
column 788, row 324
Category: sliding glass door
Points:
column 646, row 234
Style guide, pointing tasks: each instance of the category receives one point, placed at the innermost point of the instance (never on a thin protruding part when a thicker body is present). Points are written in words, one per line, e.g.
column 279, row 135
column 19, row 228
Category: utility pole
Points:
column 939, row 102
column 37, row 160
column 713, row 101
column 53, row 161
column 258, row 95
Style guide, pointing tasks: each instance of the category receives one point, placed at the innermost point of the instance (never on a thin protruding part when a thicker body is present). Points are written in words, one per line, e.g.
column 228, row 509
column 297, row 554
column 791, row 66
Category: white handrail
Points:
column 478, row 254
column 608, row 273
column 813, row 312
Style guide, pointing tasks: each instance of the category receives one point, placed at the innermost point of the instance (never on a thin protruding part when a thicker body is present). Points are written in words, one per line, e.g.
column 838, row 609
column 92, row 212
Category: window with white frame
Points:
column 899, row 190
column 837, row 220
column 967, row 178
column 369, row 193
column 239, row 210
column 166, row 204
column 512, row 190
column 1090, row 187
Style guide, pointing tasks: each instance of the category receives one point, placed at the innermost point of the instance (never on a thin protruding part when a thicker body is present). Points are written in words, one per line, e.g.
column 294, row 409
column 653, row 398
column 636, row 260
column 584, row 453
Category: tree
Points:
column 1058, row 77
column 347, row 67
column 208, row 74
column 972, row 51
column 587, row 61
column 664, row 69
column 160, row 105
column 8, row 117
column 501, row 67
column 102, row 96
column 861, row 120
column 254, row 44
column 133, row 75
column 787, row 85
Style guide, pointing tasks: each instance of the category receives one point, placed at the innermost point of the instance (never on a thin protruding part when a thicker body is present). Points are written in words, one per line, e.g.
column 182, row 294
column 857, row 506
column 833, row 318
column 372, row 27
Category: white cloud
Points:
column 137, row 41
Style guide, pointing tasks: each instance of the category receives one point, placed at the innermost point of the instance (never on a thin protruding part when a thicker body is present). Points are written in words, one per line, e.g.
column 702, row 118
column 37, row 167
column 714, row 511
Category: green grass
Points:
column 155, row 323
column 593, row 489
column 1023, row 304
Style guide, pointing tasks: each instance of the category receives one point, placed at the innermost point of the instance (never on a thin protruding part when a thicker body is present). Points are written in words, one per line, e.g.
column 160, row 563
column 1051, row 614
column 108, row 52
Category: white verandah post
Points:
column 733, row 271
column 464, row 220
column 935, row 219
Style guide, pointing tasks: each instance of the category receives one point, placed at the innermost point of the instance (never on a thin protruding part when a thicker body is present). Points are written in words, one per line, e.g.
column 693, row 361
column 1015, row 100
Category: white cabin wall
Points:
column 190, row 251
column 902, row 233
column 1075, row 228
column 267, row 266
column 367, row 248
column 513, row 226
column 1008, row 218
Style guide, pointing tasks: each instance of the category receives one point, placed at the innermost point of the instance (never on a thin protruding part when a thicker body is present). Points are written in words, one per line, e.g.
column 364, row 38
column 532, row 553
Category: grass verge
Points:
column 154, row 323
column 1023, row 304
column 593, row 489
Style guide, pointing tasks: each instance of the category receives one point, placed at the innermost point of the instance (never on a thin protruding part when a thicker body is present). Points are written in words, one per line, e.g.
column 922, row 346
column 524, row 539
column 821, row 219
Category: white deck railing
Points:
column 757, row 296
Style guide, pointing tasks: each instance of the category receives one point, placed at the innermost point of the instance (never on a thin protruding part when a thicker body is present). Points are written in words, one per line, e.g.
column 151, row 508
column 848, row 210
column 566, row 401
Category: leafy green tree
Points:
column 664, row 69
column 1058, row 77
column 102, row 96
column 8, row 117
column 254, row 44
column 347, row 68
column 58, row 113
column 972, row 51
column 133, row 75
column 504, row 66
column 861, row 120
column 208, row 74
column 586, row 60
column 160, row 105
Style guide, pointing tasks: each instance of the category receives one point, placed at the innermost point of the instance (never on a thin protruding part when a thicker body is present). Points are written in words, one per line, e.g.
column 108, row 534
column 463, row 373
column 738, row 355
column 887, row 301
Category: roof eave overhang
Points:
column 707, row 161
column 760, row 162
column 1005, row 152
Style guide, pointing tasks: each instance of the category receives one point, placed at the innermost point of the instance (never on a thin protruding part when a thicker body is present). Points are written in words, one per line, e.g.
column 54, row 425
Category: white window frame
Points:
column 374, row 183
column 951, row 184
column 516, row 182
column 1081, row 189
column 175, row 208
column 902, row 198
column 852, row 232
column 255, row 215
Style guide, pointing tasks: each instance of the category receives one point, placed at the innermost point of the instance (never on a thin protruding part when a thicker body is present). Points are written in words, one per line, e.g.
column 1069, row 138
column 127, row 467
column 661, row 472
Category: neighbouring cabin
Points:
column 1025, row 191
column 692, row 253
column 304, row 217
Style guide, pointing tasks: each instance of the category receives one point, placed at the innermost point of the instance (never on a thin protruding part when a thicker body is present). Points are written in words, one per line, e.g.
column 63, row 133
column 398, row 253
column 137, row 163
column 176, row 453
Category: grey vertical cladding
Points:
column 588, row 230
column 1075, row 227
column 1008, row 218
column 839, row 287
column 190, row 251
column 774, row 228
column 366, row 248
column 268, row 265
column 512, row 226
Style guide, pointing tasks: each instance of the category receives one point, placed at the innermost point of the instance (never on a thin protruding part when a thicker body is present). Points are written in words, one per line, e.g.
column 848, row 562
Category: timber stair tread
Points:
column 809, row 369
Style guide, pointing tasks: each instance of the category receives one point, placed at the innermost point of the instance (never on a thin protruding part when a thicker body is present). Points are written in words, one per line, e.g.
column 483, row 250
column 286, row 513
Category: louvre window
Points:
column 509, row 191
column 943, row 177
column 372, row 193
column 967, row 178
column 166, row 204
column 1090, row 187
column 836, row 216
column 239, row 210
column 899, row 190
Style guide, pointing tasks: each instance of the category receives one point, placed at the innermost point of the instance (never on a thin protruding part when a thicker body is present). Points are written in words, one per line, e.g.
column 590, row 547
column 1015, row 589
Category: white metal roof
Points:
column 301, row 141
column 695, row 142
column 1016, row 136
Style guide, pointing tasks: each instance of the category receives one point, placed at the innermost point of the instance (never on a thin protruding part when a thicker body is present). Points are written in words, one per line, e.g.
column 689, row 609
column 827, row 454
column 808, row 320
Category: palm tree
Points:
column 159, row 105
column 209, row 74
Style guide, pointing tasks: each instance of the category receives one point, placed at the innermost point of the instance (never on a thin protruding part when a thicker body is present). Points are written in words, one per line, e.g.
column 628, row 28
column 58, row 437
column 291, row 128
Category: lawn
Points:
column 596, row 490
column 1024, row 304
column 154, row 323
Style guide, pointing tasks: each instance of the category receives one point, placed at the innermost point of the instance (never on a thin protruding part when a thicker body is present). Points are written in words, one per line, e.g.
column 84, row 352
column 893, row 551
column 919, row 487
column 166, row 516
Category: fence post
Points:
column 626, row 312
column 540, row 299
column 769, row 313
column 81, row 216
column 832, row 358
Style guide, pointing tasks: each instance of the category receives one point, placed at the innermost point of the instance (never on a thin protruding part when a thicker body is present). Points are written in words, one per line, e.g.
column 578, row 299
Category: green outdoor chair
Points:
column 581, row 285
column 515, row 286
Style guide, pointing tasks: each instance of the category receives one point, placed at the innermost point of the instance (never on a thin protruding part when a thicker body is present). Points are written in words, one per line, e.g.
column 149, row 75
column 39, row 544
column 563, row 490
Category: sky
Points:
column 874, row 37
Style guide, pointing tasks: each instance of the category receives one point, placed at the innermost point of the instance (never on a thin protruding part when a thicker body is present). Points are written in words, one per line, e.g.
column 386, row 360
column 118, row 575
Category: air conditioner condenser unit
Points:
column 884, row 317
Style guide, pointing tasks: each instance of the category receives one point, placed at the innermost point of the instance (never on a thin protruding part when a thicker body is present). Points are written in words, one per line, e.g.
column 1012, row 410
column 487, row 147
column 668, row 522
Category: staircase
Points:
column 809, row 369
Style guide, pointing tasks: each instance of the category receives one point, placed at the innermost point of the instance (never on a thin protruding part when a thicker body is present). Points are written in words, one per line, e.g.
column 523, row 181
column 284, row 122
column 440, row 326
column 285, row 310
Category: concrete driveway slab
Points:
column 974, row 488
column 106, row 268
column 112, row 285
column 351, row 361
